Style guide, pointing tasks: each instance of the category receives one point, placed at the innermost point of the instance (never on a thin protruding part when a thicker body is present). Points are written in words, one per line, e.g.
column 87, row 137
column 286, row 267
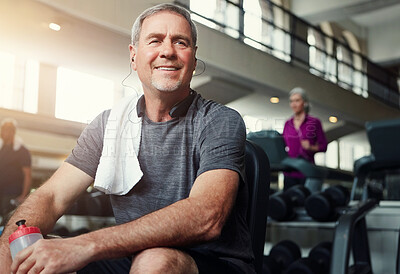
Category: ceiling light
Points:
column 333, row 119
column 54, row 26
column 274, row 100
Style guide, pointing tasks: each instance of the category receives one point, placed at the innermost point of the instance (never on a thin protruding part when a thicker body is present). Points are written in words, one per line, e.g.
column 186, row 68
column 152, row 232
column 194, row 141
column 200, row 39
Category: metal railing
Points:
column 287, row 37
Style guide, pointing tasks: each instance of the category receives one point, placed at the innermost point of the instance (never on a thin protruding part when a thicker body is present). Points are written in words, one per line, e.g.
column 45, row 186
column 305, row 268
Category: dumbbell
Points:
column 317, row 262
column 280, row 257
column 281, row 205
column 323, row 206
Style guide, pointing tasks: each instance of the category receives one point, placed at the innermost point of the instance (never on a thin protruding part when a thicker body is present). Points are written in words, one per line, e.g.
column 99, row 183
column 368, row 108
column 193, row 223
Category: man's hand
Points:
column 53, row 256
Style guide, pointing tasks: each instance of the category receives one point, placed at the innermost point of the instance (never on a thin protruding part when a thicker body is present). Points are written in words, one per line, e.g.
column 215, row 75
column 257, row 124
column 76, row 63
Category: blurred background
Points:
column 62, row 62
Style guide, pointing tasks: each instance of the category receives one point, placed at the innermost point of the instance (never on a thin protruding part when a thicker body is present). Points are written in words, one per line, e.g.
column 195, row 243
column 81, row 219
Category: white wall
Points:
column 384, row 41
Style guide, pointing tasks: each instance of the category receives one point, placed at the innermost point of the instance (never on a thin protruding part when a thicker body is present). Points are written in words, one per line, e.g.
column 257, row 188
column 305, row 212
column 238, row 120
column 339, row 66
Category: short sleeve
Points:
column 26, row 160
column 222, row 142
column 87, row 151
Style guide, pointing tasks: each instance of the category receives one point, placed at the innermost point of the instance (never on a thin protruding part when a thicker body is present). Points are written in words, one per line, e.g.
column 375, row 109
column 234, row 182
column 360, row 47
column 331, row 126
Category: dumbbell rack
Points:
column 351, row 233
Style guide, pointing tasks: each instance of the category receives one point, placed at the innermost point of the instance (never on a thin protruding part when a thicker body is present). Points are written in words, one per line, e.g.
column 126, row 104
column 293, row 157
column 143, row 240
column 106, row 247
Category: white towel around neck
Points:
column 17, row 143
column 119, row 170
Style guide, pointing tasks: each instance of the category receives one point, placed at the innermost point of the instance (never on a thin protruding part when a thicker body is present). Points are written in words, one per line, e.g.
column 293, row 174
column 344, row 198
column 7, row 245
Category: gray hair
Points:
column 137, row 26
column 9, row 121
column 303, row 94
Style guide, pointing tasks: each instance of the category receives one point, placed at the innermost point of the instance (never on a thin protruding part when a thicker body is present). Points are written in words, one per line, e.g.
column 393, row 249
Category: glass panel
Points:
column 232, row 20
column 252, row 19
column 31, row 87
column 226, row 14
column 319, row 63
column 203, row 21
column 331, row 155
column 7, row 71
column 206, row 7
column 281, row 44
column 267, row 31
column 346, row 156
column 345, row 71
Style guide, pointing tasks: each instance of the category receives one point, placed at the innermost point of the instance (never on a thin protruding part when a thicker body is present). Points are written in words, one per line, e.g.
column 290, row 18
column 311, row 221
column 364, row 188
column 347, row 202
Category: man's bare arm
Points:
column 43, row 207
column 26, row 184
column 197, row 219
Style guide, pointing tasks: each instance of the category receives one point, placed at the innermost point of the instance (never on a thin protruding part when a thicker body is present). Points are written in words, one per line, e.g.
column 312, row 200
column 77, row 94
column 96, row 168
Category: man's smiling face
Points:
column 165, row 54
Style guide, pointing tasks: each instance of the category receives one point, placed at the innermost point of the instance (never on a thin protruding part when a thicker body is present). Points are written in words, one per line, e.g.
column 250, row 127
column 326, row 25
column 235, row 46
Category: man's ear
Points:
column 195, row 59
column 132, row 55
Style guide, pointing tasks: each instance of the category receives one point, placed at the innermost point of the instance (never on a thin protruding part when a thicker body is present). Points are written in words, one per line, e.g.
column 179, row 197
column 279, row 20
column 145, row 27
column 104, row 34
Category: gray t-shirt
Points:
column 172, row 155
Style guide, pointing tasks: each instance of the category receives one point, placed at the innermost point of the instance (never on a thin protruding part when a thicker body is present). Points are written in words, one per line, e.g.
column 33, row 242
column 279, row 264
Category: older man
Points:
column 172, row 163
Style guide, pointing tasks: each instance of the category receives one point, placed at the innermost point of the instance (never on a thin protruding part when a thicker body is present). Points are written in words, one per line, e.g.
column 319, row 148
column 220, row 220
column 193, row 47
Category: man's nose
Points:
column 168, row 50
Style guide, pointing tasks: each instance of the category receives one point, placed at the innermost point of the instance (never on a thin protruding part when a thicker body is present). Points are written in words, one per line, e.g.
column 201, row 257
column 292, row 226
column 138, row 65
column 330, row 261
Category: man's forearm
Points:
column 27, row 185
column 190, row 221
column 37, row 210
column 175, row 225
column 197, row 219
column 180, row 224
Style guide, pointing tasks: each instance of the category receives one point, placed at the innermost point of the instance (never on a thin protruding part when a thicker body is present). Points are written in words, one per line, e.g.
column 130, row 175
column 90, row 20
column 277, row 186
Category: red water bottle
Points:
column 23, row 237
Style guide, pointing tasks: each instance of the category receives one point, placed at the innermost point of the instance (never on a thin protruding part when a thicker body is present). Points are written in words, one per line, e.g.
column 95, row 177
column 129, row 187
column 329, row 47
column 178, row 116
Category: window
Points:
column 345, row 70
column 7, row 70
column 226, row 14
column 81, row 97
column 252, row 22
column 31, row 88
column 19, row 83
column 331, row 155
column 316, row 52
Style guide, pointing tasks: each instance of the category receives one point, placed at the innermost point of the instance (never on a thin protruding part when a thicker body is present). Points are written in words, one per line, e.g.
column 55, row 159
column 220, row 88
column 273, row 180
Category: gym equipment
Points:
column 271, row 141
column 282, row 205
column 60, row 230
column 280, row 257
column 257, row 175
column 385, row 155
column 317, row 262
column 397, row 259
column 94, row 203
column 351, row 233
column 323, row 206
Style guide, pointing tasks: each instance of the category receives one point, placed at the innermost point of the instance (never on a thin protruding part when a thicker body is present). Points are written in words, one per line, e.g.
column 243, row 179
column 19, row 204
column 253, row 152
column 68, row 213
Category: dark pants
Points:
column 288, row 182
column 206, row 263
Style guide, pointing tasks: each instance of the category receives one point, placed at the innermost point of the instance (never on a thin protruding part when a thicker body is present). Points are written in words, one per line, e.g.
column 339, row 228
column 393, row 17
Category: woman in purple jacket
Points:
column 303, row 135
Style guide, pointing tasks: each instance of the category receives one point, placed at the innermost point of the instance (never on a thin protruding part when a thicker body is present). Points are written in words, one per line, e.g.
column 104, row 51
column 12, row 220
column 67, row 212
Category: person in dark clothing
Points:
column 15, row 167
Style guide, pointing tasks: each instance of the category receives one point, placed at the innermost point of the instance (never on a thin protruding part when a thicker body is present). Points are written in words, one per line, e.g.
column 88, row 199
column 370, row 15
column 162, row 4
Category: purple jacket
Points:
column 311, row 130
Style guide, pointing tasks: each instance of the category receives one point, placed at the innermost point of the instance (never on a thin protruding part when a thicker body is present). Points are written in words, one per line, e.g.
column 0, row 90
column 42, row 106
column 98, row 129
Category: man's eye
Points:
column 181, row 42
column 154, row 41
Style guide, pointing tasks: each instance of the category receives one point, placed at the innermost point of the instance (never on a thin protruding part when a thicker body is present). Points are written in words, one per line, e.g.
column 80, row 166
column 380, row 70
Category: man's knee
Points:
column 163, row 260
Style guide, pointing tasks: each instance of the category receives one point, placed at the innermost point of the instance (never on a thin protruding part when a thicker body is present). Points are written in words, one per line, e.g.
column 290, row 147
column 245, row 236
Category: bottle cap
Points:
column 22, row 231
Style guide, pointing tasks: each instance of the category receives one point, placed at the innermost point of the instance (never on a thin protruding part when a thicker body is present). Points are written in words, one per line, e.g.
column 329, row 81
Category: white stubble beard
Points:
column 166, row 87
